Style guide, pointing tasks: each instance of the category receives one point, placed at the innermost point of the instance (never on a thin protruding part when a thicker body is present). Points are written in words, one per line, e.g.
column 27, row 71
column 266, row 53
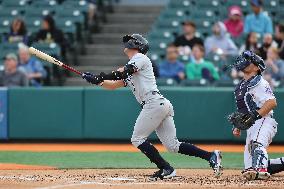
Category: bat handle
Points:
column 72, row 69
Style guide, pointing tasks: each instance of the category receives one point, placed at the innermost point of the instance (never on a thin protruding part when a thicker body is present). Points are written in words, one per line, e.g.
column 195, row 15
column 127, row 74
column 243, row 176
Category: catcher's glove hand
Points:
column 243, row 121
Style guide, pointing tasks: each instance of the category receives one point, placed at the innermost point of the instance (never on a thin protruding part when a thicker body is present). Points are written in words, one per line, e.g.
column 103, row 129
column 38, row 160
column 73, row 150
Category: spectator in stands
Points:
column 234, row 23
column 275, row 67
column 199, row 68
column 172, row 67
column 187, row 40
column 266, row 44
column 220, row 43
column 258, row 21
column 51, row 34
column 12, row 77
column 279, row 35
column 32, row 67
column 250, row 43
column 18, row 32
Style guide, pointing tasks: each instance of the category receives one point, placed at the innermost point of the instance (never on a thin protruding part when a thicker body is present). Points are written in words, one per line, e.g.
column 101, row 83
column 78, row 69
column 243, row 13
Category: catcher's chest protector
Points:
column 244, row 99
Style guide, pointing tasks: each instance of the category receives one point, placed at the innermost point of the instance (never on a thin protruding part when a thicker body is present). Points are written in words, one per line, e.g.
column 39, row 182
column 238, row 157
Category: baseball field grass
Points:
column 118, row 160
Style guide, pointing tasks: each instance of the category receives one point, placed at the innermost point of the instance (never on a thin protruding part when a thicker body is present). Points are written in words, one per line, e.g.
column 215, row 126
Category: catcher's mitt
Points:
column 241, row 121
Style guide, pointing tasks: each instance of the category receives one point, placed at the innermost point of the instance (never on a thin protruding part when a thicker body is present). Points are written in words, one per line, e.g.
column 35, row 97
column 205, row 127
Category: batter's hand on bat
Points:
column 236, row 132
column 92, row 78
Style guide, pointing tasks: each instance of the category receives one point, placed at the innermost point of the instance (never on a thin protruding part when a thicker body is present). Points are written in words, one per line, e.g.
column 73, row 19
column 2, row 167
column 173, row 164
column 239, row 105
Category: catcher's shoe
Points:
column 166, row 173
column 215, row 162
column 249, row 173
column 262, row 174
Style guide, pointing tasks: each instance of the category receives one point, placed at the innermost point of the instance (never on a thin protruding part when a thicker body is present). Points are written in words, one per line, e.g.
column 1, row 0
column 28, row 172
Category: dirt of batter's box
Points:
column 129, row 179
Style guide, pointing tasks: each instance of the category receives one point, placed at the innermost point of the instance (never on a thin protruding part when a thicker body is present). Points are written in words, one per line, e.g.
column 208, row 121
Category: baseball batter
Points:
column 157, row 112
column 255, row 102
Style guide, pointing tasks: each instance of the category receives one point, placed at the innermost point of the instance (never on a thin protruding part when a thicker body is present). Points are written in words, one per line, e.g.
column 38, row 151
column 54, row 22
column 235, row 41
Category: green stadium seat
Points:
column 166, row 82
column 74, row 14
column 33, row 24
column 15, row 4
column 5, row 23
column 49, row 3
column 9, row 12
column 192, row 83
column 173, row 13
column 179, row 3
column 33, row 11
column 207, row 3
column 82, row 5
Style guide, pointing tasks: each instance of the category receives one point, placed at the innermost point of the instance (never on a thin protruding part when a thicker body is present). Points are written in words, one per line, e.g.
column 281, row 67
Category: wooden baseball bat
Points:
column 52, row 60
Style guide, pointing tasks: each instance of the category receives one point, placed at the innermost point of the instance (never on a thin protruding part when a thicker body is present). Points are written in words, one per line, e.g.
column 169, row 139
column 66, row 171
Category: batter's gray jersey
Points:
column 157, row 113
column 143, row 82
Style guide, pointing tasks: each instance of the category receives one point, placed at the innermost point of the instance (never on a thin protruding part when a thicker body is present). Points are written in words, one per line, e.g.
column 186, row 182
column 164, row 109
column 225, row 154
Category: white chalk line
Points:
column 16, row 177
column 108, row 184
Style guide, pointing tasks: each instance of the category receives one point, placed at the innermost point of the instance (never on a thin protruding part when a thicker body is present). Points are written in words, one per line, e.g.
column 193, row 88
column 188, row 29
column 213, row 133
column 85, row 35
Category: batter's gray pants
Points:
column 156, row 115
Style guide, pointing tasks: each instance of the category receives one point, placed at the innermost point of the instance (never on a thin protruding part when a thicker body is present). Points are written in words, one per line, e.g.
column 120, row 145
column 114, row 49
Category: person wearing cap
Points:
column 187, row 40
column 234, row 23
column 258, row 21
column 12, row 77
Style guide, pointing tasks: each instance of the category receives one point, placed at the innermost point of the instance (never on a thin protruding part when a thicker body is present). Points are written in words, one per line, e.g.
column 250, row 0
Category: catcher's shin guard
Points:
column 259, row 156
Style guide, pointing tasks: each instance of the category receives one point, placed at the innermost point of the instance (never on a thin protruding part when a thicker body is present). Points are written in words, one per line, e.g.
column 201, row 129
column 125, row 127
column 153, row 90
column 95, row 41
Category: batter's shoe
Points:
column 262, row 174
column 249, row 173
column 163, row 174
column 215, row 162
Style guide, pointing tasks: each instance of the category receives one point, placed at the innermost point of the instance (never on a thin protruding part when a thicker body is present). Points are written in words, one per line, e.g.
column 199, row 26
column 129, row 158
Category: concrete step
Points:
column 135, row 18
column 138, row 9
column 107, row 49
column 107, row 38
column 125, row 28
column 102, row 60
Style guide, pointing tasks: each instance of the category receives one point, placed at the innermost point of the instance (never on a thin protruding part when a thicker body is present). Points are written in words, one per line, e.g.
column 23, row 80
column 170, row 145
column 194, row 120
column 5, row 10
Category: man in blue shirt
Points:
column 172, row 67
column 32, row 67
column 258, row 21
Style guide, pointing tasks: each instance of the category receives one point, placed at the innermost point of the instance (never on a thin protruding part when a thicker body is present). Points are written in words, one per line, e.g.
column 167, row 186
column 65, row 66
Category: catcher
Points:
column 255, row 102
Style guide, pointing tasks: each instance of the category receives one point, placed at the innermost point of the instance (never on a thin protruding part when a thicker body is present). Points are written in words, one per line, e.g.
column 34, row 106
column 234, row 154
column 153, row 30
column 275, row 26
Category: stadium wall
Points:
column 93, row 113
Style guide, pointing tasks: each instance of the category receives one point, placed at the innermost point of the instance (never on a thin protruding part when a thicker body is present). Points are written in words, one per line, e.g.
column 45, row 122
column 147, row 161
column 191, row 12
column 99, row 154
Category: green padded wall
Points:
column 109, row 114
column 94, row 113
column 46, row 113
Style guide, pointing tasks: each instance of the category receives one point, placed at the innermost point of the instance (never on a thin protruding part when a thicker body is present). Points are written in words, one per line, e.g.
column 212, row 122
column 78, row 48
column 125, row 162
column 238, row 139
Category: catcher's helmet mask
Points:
column 247, row 58
column 136, row 41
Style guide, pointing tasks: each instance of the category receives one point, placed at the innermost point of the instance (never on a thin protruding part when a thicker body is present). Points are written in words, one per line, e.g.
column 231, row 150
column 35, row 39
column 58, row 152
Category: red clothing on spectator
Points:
column 234, row 27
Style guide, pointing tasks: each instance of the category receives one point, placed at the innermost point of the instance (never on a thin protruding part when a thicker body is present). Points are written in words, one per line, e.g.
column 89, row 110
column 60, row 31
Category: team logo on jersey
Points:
column 268, row 90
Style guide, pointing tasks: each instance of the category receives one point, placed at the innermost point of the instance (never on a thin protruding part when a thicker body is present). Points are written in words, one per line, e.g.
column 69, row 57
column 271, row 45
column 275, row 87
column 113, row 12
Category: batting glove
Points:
column 92, row 78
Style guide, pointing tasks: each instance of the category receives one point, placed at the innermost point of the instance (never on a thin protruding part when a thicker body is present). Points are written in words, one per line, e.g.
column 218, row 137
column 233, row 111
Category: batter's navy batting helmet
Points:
column 136, row 41
column 248, row 57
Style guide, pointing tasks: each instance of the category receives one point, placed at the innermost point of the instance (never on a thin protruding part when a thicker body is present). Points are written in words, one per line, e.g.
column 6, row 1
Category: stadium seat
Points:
column 187, row 82
column 207, row 3
column 82, row 5
column 166, row 82
column 180, row 3
column 15, row 4
column 5, row 23
column 49, row 3
column 33, row 11
column 9, row 12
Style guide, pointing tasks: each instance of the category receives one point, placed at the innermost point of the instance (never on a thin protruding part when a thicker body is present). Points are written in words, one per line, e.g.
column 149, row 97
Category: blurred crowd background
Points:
column 192, row 42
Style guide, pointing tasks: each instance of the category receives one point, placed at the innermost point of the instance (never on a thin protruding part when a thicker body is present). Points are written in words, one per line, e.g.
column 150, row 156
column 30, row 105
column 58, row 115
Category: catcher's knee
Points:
column 172, row 145
column 136, row 140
